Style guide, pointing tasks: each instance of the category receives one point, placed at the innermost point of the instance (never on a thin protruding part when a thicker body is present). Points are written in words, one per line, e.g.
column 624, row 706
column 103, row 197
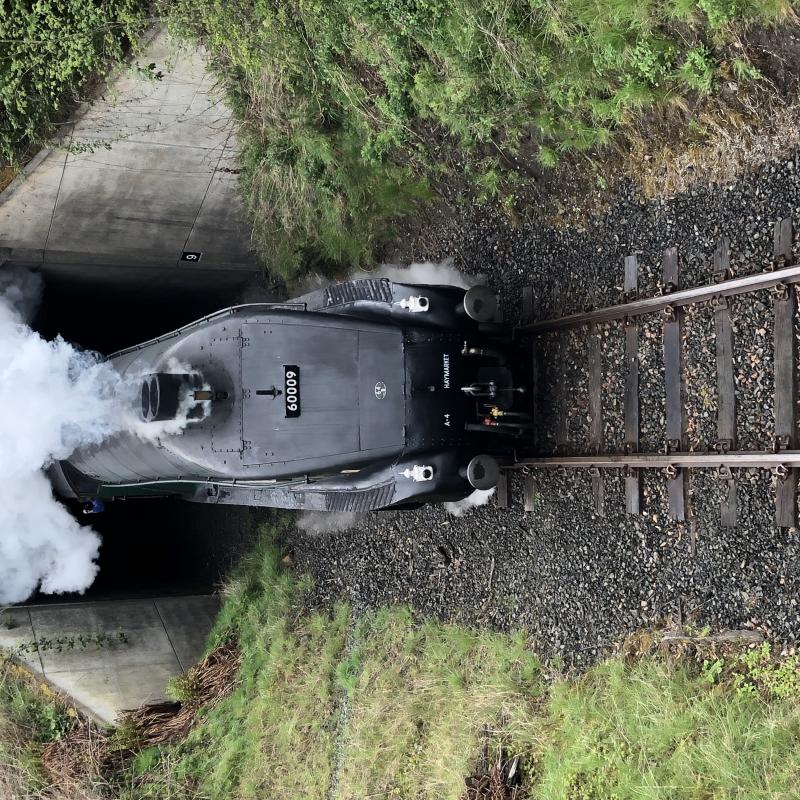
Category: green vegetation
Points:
column 421, row 695
column 390, row 705
column 48, row 50
column 275, row 735
column 654, row 731
column 356, row 108
column 30, row 717
column 424, row 699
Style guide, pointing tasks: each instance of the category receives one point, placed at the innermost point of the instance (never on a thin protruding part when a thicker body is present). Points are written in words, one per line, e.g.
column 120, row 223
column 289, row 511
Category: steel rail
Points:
column 739, row 458
column 650, row 305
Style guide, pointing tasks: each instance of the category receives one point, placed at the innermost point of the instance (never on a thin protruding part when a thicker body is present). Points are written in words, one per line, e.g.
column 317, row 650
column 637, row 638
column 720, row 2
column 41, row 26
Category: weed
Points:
column 82, row 641
column 760, row 673
column 744, row 70
column 125, row 738
column 9, row 623
column 719, row 12
column 547, row 157
column 31, row 717
column 699, row 631
column 713, row 669
column 183, row 688
column 697, row 70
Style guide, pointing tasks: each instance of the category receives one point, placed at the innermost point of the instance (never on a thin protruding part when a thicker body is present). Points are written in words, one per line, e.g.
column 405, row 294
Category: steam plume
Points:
column 53, row 399
column 479, row 497
column 442, row 273
column 321, row 522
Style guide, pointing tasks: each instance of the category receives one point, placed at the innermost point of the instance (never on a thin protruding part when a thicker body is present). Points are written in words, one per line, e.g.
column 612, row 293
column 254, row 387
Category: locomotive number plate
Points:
column 291, row 376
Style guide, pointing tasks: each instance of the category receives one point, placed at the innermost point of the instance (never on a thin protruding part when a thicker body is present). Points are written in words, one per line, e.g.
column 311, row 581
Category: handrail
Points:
column 208, row 318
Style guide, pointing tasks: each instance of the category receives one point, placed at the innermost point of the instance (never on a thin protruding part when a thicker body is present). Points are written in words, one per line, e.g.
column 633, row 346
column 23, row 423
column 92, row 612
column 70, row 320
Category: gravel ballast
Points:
column 578, row 582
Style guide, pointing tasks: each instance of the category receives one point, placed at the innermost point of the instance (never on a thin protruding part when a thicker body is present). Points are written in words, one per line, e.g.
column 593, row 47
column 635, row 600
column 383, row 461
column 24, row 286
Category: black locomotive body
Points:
column 365, row 395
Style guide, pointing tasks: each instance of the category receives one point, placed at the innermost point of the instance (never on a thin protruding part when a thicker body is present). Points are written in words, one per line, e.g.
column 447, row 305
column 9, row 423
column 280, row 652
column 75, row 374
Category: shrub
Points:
column 47, row 51
column 351, row 106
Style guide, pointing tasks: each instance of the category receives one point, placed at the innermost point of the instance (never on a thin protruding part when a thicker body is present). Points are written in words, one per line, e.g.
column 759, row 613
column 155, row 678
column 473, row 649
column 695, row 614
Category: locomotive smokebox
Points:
column 164, row 393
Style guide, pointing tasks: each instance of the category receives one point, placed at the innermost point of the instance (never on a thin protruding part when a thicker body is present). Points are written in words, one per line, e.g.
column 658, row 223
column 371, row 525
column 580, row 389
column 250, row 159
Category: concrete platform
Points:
column 141, row 174
column 163, row 638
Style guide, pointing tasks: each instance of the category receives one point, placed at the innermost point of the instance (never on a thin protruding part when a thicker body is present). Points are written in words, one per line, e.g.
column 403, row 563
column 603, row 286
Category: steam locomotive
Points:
column 365, row 395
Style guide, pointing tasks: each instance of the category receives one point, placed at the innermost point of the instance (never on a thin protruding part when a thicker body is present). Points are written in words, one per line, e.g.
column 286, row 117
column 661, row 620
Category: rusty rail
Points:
column 780, row 457
column 670, row 299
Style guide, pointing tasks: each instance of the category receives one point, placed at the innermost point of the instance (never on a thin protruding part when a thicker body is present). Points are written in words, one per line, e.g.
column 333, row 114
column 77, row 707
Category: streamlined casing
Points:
column 348, row 398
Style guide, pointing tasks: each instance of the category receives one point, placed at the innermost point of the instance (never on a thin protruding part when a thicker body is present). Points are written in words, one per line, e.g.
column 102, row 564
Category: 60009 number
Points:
column 291, row 375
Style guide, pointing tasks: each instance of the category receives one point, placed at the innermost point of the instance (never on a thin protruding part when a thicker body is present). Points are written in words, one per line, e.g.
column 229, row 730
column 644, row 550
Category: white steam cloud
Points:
column 479, row 497
column 442, row 273
column 53, row 399
column 322, row 522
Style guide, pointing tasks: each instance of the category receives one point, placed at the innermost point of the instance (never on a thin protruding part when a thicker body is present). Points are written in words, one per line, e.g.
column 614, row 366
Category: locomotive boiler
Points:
column 365, row 395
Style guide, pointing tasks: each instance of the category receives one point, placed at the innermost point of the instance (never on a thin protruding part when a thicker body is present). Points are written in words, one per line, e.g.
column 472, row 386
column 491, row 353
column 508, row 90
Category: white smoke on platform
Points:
column 322, row 522
column 54, row 398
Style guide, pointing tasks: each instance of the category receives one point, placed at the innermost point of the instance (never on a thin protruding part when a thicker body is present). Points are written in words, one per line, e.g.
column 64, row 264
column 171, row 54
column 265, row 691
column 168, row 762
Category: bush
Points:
column 352, row 105
column 47, row 51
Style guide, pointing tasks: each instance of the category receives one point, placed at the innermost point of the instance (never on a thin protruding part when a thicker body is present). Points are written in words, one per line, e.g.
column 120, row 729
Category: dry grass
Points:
column 498, row 781
column 7, row 174
column 76, row 764
column 16, row 777
column 424, row 697
column 83, row 762
column 35, row 725
column 717, row 143
column 203, row 686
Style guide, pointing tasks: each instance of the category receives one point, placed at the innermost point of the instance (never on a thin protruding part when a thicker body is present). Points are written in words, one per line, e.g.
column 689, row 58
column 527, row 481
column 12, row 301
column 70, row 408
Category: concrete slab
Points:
column 144, row 179
column 142, row 200
column 184, row 109
column 220, row 232
column 107, row 693
column 160, row 125
column 147, row 640
column 25, row 214
column 163, row 638
column 16, row 629
column 188, row 625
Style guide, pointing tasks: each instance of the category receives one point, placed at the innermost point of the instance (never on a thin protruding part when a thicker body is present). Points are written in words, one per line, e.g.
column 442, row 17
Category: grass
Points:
column 354, row 111
column 421, row 697
column 652, row 731
column 31, row 717
column 390, row 705
column 387, row 704
column 275, row 735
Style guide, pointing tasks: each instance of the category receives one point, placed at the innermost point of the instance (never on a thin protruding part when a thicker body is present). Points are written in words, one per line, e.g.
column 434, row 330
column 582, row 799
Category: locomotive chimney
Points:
column 164, row 393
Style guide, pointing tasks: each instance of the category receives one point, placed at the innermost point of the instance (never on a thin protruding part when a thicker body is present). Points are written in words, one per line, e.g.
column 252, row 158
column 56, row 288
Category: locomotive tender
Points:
column 364, row 395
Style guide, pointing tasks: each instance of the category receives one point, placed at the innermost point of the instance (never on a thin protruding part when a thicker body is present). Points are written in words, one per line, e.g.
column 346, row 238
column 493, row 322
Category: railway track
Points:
column 676, row 459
